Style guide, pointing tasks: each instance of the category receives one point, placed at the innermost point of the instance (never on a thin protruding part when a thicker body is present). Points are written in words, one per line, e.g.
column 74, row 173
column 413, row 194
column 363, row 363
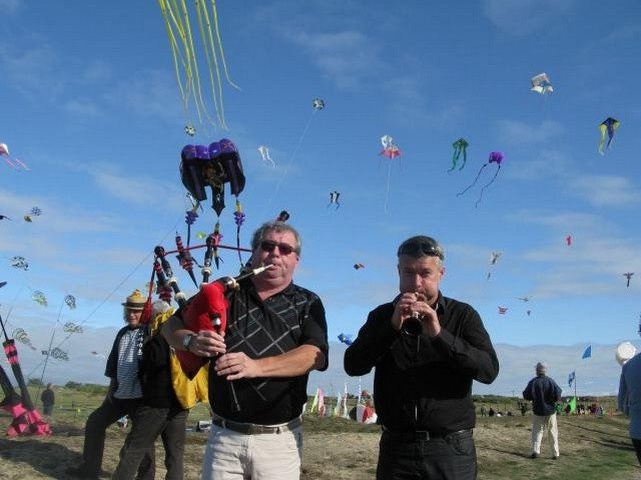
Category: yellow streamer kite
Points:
column 183, row 48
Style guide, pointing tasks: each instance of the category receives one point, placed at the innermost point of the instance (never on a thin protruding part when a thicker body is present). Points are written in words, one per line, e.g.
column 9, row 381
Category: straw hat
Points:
column 135, row 301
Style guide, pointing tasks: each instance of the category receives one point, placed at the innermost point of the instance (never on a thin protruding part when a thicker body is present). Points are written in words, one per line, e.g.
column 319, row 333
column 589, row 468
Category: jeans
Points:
column 95, row 432
column 146, row 424
column 405, row 456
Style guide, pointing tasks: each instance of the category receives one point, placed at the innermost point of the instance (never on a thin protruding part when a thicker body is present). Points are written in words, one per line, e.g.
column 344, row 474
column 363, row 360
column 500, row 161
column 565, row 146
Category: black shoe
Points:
column 534, row 455
column 80, row 472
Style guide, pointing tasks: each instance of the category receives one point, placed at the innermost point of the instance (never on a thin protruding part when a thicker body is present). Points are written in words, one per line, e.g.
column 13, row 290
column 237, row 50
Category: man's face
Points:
column 420, row 275
column 277, row 249
column 133, row 317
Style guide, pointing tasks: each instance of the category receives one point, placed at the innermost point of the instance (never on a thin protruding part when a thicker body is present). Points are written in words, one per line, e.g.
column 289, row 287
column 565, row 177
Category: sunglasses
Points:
column 283, row 248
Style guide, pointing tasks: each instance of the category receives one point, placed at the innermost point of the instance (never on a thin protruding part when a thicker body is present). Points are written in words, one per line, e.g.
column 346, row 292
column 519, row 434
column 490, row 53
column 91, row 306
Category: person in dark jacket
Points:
column 159, row 413
column 543, row 392
column 48, row 399
column 123, row 396
column 426, row 349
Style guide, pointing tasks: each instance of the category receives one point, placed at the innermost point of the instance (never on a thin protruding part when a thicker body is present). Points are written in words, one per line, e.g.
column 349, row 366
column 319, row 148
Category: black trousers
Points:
column 95, row 432
column 413, row 456
column 146, row 424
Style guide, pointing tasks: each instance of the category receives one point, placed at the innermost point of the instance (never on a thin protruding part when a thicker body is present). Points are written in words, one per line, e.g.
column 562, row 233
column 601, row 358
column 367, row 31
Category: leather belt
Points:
column 423, row 435
column 254, row 428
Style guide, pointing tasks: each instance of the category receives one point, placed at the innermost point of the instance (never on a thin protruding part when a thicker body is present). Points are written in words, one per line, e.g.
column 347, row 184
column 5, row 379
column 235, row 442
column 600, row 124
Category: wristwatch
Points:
column 187, row 340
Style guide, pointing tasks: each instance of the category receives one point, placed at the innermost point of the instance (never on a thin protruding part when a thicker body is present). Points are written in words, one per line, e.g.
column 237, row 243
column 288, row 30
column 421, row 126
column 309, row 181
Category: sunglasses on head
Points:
column 420, row 248
column 283, row 248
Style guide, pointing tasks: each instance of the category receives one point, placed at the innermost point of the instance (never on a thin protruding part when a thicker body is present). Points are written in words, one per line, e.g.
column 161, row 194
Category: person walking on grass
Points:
column 543, row 392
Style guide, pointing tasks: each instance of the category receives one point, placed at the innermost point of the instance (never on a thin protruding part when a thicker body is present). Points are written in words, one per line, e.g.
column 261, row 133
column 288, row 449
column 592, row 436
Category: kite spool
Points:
column 624, row 352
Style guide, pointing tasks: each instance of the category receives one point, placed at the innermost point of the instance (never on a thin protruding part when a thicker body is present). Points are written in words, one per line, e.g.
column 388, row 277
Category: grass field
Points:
column 592, row 447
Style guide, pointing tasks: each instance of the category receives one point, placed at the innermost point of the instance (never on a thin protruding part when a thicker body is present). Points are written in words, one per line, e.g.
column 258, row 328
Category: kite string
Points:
column 487, row 185
column 474, row 182
column 291, row 159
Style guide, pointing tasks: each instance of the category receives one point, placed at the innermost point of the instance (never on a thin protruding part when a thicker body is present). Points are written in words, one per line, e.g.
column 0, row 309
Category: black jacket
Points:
column 424, row 383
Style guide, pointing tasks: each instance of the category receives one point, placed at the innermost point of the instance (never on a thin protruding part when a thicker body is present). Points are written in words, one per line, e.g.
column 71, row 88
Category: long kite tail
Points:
column 455, row 158
column 473, row 183
column 487, row 185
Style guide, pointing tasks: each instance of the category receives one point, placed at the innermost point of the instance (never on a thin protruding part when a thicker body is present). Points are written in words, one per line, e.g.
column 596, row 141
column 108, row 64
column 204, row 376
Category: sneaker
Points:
column 534, row 455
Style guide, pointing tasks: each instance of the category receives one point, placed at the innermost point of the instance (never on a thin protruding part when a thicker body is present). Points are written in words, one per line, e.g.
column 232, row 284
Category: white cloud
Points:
column 513, row 132
column 606, row 190
column 523, row 17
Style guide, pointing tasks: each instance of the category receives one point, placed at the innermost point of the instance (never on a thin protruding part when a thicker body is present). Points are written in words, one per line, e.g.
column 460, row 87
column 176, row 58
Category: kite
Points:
column 587, row 353
column 502, row 310
column 21, row 335
column 239, row 219
column 346, row 339
column 2, row 217
column 39, row 297
column 13, row 163
column 188, row 75
column 390, row 150
column 571, row 378
column 333, row 198
column 264, row 153
column 495, row 157
column 358, row 266
column 607, row 126
column 70, row 300
column 568, row 240
column 541, row 84
column 56, row 353
column 19, row 262
column 27, row 218
column 318, row 103
column 190, row 130
column 628, row 276
column 36, row 212
column 283, row 216
column 2, row 284
column 494, row 258
column 524, row 299
column 528, row 312
column 71, row 327
column 460, row 148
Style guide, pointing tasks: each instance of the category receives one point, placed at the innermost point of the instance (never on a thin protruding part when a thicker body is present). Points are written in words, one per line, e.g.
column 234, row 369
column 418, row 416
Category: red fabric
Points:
column 209, row 302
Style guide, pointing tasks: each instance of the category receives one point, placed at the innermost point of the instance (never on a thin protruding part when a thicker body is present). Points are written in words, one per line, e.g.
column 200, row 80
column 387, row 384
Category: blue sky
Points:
column 90, row 103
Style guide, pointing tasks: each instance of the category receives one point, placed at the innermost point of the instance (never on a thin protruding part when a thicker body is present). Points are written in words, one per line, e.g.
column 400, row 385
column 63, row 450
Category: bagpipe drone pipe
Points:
column 206, row 310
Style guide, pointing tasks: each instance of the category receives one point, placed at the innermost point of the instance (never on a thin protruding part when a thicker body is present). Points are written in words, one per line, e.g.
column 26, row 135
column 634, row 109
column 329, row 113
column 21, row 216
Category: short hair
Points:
column 421, row 246
column 276, row 226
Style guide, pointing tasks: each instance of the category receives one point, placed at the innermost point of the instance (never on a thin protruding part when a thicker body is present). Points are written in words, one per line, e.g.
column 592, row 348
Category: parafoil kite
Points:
column 185, row 54
column 333, row 199
column 264, row 154
column 56, row 353
column 495, row 157
column 19, row 262
column 70, row 300
column 541, row 84
column 39, row 297
column 628, row 276
column 460, row 149
column 190, row 130
column 358, row 266
column 346, row 339
column 71, row 327
column 607, row 127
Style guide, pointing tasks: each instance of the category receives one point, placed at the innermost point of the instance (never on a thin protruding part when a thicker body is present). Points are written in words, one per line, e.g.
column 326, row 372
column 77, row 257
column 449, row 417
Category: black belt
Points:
column 254, row 428
column 424, row 435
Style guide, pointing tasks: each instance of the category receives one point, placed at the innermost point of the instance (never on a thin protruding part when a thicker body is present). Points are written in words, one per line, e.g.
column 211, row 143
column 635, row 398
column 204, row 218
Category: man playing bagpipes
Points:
column 261, row 338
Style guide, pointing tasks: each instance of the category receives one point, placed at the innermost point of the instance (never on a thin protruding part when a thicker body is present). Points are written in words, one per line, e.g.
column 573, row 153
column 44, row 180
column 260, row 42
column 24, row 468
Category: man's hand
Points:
column 237, row 365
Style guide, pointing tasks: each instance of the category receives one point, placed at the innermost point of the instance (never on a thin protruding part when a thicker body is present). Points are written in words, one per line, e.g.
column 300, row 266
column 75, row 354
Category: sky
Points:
column 91, row 106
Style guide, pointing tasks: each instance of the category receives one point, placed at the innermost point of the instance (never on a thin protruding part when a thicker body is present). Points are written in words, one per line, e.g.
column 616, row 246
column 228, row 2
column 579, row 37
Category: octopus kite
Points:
column 333, row 199
column 495, row 157
column 607, row 127
column 390, row 150
column 185, row 53
column 460, row 148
